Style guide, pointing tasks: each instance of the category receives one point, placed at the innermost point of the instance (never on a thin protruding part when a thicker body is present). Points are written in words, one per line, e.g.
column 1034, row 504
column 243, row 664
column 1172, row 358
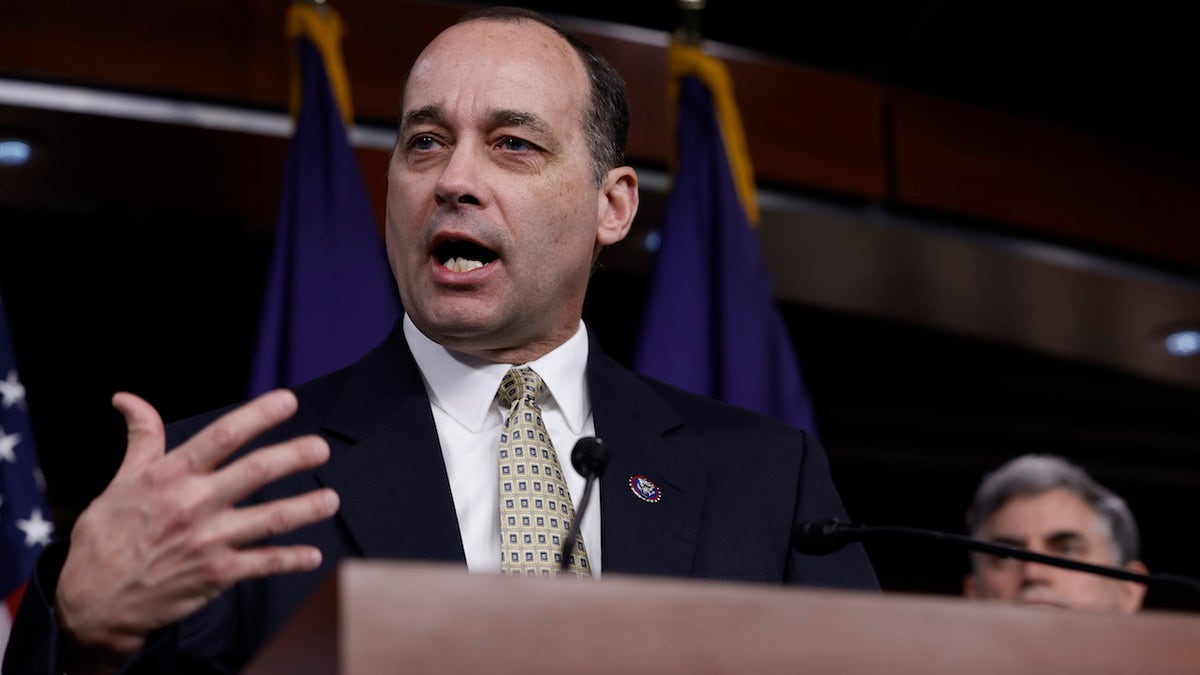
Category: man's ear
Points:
column 618, row 205
column 1133, row 594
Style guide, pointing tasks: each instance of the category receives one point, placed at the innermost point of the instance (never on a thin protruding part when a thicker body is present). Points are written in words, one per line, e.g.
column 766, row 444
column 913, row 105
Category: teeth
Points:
column 462, row 265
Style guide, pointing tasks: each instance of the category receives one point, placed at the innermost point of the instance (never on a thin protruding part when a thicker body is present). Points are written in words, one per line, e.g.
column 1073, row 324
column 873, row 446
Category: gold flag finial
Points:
column 317, row 22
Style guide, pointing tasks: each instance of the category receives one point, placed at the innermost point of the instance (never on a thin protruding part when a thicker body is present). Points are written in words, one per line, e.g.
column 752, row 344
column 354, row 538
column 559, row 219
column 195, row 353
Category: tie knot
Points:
column 520, row 383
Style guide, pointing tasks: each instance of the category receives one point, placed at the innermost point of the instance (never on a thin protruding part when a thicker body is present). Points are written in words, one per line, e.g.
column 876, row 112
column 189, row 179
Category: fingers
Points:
column 247, row 474
column 244, row 526
column 269, row 560
column 145, row 439
column 214, row 443
column 254, row 523
column 165, row 536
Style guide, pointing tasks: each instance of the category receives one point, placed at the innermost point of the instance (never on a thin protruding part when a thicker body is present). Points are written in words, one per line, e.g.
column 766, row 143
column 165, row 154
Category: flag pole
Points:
column 689, row 32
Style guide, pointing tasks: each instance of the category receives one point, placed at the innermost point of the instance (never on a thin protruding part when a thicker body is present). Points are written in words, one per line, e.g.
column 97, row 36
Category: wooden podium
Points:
column 378, row 617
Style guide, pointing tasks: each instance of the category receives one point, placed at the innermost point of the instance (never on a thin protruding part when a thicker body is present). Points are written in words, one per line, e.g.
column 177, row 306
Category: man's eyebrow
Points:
column 433, row 114
column 1057, row 537
column 423, row 115
column 518, row 118
column 1008, row 541
column 1065, row 536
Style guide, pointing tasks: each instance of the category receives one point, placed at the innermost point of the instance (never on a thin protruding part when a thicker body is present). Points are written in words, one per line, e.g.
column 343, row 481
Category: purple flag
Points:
column 711, row 324
column 331, row 295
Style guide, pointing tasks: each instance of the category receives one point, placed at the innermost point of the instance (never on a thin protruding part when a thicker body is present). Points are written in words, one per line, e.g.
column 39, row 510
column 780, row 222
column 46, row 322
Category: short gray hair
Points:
column 1033, row 474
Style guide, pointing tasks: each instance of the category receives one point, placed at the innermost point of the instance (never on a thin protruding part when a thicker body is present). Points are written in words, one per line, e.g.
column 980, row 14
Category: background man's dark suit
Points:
column 732, row 482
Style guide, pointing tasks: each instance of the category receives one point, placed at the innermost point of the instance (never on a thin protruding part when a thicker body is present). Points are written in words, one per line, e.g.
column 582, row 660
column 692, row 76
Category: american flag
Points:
column 25, row 528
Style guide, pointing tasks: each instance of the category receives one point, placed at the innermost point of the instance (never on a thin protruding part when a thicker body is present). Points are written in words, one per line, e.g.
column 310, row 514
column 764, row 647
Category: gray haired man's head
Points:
column 1034, row 474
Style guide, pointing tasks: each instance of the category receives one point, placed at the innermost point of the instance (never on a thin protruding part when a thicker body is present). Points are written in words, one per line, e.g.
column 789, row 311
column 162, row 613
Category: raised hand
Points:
column 164, row 537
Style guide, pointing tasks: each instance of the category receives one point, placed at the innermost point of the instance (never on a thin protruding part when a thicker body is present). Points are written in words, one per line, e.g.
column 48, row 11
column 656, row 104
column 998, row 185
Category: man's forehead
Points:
column 482, row 66
column 1045, row 514
column 512, row 47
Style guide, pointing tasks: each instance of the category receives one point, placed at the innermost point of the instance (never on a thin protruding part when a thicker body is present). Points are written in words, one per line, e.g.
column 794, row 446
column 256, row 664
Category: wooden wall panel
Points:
column 1042, row 178
column 810, row 128
column 807, row 129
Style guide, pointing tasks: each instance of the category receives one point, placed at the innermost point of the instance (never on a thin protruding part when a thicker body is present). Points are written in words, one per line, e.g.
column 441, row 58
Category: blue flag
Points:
column 25, row 527
column 711, row 324
column 331, row 296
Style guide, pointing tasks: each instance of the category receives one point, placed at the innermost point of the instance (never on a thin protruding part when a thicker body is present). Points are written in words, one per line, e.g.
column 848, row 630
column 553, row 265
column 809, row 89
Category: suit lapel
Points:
column 387, row 467
column 389, row 472
column 640, row 536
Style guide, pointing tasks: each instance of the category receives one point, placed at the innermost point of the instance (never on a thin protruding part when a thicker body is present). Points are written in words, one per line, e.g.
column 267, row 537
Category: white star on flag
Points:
column 12, row 392
column 36, row 528
column 7, row 443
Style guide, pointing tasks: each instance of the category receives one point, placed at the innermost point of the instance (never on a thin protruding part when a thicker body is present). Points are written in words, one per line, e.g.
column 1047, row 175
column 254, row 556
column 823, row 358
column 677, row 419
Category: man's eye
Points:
column 1000, row 563
column 423, row 142
column 1069, row 548
column 515, row 144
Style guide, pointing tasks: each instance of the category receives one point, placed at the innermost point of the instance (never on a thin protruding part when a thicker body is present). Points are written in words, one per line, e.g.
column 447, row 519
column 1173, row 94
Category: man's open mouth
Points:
column 463, row 256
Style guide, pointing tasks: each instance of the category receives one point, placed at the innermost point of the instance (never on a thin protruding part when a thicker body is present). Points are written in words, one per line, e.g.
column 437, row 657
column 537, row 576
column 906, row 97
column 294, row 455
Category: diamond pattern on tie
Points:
column 535, row 505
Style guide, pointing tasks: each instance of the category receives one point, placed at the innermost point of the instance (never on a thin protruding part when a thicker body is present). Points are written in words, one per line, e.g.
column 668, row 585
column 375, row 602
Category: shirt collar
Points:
column 465, row 386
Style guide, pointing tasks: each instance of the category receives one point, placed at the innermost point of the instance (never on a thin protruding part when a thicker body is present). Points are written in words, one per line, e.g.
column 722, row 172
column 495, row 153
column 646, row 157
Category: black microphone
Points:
column 589, row 457
column 826, row 535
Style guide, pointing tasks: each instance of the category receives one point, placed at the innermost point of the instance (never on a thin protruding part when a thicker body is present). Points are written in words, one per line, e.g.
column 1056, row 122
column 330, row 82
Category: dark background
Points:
column 140, row 292
column 1117, row 70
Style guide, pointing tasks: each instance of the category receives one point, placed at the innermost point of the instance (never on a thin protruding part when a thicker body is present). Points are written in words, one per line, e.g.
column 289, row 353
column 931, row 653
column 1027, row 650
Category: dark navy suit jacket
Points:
column 732, row 485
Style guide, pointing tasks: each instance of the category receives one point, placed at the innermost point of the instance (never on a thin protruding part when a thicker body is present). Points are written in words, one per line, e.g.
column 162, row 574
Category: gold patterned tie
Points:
column 535, row 505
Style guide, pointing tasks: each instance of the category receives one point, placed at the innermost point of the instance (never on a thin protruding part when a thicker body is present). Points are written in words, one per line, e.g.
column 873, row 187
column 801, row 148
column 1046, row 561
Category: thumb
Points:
column 145, row 437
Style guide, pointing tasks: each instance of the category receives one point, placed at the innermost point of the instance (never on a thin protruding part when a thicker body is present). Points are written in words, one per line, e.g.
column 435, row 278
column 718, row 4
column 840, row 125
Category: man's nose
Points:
column 1035, row 572
column 460, row 180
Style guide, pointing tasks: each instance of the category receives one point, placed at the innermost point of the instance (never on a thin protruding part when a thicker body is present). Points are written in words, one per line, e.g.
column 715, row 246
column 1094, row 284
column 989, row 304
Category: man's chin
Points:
column 1043, row 601
column 459, row 319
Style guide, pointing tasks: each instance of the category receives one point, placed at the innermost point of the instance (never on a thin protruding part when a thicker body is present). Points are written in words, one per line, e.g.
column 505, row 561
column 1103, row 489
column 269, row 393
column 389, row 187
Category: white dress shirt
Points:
column 462, row 393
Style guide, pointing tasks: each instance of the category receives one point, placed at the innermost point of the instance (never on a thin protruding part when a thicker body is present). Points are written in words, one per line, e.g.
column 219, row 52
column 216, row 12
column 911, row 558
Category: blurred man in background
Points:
column 1048, row 505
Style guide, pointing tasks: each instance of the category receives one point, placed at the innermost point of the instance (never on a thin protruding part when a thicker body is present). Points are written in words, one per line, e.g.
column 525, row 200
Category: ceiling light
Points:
column 1183, row 342
column 14, row 152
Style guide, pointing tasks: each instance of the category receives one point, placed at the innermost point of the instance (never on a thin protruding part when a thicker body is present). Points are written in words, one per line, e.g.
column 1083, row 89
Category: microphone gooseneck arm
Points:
column 818, row 537
column 589, row 457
